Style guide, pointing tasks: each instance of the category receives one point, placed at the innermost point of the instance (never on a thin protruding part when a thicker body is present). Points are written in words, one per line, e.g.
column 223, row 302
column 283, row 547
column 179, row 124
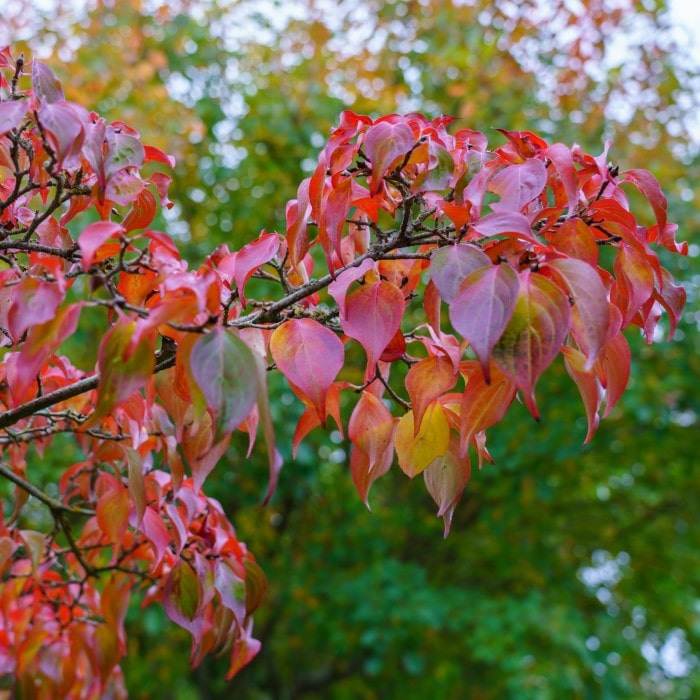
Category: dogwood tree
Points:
column 456, row 270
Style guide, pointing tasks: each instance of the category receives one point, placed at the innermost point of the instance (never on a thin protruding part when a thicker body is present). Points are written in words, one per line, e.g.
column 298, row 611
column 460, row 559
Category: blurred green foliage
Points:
column 570, row 572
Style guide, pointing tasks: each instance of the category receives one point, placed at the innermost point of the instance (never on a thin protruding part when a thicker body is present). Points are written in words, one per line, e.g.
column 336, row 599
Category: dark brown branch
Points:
column 55, row 506
column 63, row 394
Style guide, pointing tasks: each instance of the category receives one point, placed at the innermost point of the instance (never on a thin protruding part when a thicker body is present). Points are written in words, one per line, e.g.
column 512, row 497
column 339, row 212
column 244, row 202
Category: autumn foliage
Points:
column 461, row 271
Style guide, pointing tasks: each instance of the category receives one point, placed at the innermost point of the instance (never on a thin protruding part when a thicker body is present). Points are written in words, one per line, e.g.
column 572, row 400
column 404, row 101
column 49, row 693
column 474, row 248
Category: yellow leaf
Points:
column 430, row 442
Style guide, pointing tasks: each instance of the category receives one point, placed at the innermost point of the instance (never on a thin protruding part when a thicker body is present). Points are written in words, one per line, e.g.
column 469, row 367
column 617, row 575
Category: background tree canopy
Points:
column 570, row 571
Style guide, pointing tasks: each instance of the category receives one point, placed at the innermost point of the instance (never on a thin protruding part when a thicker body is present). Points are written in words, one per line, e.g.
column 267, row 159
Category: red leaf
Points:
column 451, row 265
column 153, row 154
column 563, row 161
column 518, row 185
column 297, row 216
column 124, row 187
column 384, row 144
column 426, row 381
column 249, row 258
column 445, row 479
column 672, row 297
column 574, row 238
column 142, row 212
column 94, row 236
column 124, row 367
column 649, row 186
column 613, row 370
column 482, row 308
column 335, row 210
column 591, row 308
column 534, row 334
column 576, row 366
column 371, row 431
column 42, row 341
column 374, row 313
column 310, row 356
column 483, row 405
column 634, row 282
column 112, row 510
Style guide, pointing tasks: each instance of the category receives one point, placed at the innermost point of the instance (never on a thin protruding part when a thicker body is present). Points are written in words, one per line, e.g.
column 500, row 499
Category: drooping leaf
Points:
column 426, row 381
column 613, row 370
column 124, row 366
column 482, row 404
column 649, row 186
column 483, row 306
column 563, row 162
column 634, row 283
column 297, row 217
column 221, row 366
column 374, row 313
column 534, row 335
column 371, row 432
column 310, row 356
column 451, row 265
column 590, row 304
column 445, row 479
column 64, row 125
column 182, row 595
column 137, row 484
column 416, row 450
column 576, row 366
column 124, row 150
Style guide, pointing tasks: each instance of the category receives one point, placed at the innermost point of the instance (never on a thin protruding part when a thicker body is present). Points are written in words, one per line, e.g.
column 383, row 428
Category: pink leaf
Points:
column 613, row 370
column 384, row 144
column 483, row 307
column 338, row 288
column 11, row 115
column 310, row 356
column 451, row 265
column 241, row 265
column 64, row 124
column 95, row 235
column 374, row 313
column 518, row 185
column 505, row 223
